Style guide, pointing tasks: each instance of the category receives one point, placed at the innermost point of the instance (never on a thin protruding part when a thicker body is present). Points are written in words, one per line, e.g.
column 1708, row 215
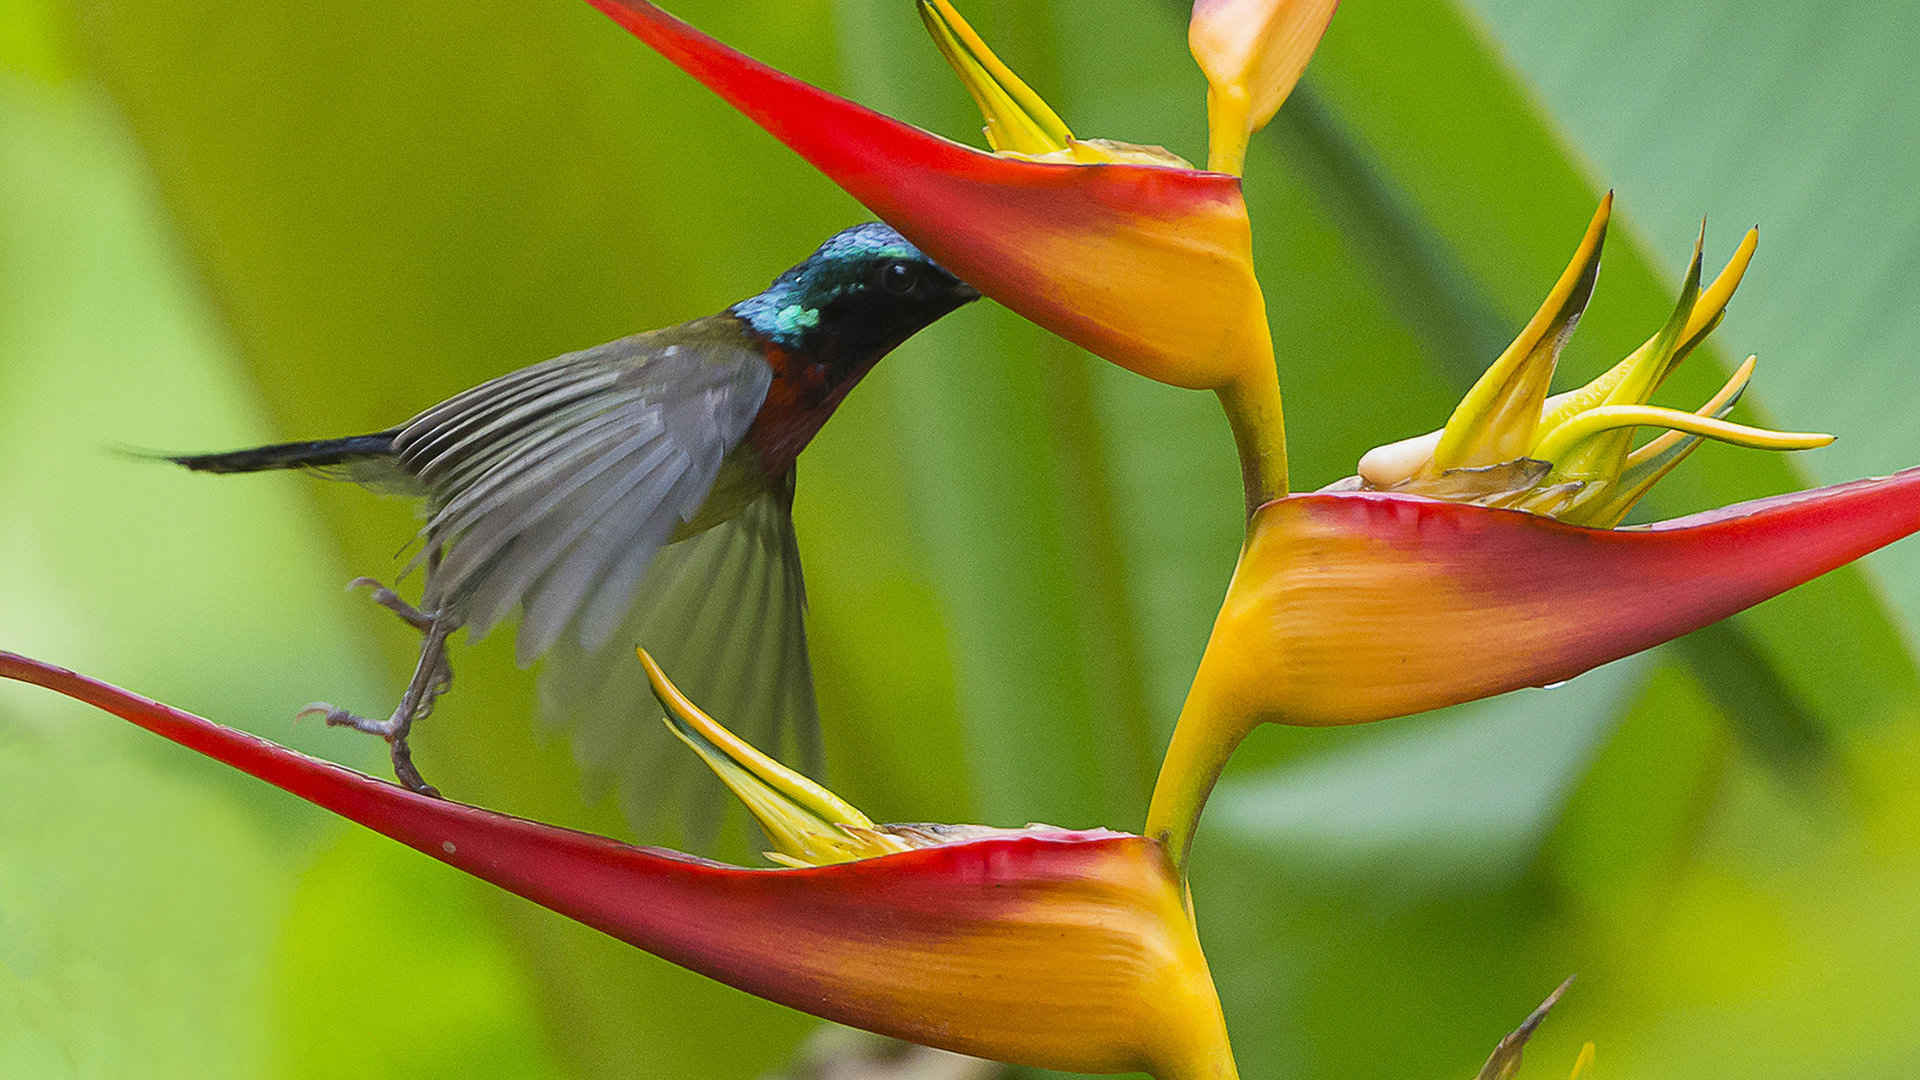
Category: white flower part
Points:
column 1385, row 466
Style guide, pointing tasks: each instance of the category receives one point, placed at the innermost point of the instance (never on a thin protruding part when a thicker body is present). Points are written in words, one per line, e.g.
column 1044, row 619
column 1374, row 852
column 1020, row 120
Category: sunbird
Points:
column 637, row 492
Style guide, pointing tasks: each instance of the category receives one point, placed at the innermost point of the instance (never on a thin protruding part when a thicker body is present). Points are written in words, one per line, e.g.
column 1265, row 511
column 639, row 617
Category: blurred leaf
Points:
column 112, row 963
column 114, row 851
column 1636, row 816
column 1460, row 797
column 390, row 964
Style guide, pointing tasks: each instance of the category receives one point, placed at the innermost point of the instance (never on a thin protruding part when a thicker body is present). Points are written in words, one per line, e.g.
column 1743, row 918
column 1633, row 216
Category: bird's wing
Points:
column 723, row 611
column 554, row 486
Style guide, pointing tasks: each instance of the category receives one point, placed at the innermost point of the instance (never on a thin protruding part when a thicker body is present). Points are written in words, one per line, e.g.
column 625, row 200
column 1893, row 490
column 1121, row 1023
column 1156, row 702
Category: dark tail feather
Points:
column 317, row 454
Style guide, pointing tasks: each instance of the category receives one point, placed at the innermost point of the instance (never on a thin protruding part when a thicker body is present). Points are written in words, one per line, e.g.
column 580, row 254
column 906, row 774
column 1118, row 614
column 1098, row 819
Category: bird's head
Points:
column 863, row 292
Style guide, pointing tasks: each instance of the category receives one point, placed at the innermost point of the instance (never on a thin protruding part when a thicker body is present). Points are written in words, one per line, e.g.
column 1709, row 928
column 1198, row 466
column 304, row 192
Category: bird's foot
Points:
column 419, row 620
column 393, row 729
column 390, row 600
column 432, row 676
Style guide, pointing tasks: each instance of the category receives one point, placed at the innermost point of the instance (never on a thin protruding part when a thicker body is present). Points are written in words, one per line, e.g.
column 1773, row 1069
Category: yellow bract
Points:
column 809, row 825
column 1571, row 456
column 1018, row 122
column 1252, row 52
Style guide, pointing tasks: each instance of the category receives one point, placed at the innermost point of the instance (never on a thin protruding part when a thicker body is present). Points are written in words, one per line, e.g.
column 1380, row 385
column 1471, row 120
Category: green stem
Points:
column 1204, row 738
column 1252, row 404
column 1208, row 730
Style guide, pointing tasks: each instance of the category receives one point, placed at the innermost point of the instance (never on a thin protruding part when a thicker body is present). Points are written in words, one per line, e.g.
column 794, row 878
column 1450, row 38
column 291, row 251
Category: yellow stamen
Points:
column 1612, row 418
column 808, row 825
column 1717, row 406
column 1647, row 465
column 1499, row 417
column 1018, row 121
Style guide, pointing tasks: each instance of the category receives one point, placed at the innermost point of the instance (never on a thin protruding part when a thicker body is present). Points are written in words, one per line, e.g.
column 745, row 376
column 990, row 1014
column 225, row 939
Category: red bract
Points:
column 1068, row 950
column 1356, row 606
column 1391, row 604
column 1150, row 267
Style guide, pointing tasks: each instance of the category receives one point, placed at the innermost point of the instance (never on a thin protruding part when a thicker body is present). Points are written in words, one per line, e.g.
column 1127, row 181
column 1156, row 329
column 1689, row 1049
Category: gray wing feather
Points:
column 543, row 479
column 724, row 612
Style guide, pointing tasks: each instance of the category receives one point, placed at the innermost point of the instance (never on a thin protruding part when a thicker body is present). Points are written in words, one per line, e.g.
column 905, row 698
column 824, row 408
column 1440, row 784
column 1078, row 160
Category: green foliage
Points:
column 226, row 223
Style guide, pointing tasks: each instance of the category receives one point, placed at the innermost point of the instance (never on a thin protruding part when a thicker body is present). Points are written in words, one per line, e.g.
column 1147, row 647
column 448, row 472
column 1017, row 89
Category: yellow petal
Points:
column 1706, row 315
column 1017, row 119
column 1640, row 380
column 1715, row 297
column 808, row 825
column 1603, row 456
column 1252, row 52
column 1497, row 420
column 1582, row 1063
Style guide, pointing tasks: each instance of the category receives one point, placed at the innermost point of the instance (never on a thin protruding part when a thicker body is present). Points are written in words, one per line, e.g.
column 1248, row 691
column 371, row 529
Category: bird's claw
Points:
column 335, row 716
column 391, row 729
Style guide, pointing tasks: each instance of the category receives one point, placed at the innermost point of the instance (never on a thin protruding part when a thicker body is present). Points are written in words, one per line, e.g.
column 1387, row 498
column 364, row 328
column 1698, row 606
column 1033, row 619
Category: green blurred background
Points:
column 223, row 223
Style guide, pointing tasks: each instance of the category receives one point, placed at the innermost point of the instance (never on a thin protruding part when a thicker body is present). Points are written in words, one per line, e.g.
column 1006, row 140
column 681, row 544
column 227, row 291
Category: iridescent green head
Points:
column 863, row 292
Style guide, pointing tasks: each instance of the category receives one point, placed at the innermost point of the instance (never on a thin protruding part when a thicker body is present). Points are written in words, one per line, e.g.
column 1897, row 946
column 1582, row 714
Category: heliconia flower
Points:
column 1355, row 606
column 1054, row 948
column 1147, row 265
column 1252, row 52
column 1571, row 456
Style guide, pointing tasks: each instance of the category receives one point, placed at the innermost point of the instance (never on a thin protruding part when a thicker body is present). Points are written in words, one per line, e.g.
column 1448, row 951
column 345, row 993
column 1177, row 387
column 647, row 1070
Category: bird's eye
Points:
column 899, row 278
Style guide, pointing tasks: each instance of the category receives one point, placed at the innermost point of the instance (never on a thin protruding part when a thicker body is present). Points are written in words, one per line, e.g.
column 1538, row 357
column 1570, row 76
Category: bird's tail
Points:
column 367, row 460
column 325, row 454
